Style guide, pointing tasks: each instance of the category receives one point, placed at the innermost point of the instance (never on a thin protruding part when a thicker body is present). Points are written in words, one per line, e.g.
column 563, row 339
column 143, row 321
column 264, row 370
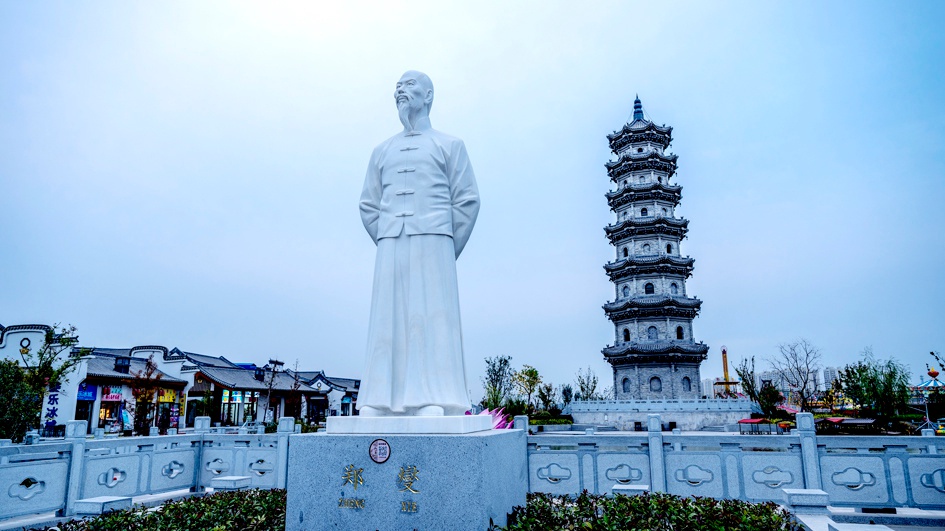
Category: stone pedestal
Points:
column 428, row 482
column 413, row 425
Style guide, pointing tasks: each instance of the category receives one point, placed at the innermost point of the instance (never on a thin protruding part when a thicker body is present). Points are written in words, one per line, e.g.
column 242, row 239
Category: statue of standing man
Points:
column 419, row 204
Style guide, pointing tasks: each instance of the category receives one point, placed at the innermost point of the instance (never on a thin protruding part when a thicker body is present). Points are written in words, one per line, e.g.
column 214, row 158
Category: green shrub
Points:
column 549, row 421
column 648, row 511
column 247, row 510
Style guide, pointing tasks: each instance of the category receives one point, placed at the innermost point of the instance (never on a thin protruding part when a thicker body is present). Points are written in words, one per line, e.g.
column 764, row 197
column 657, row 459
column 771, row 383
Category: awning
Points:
column 752, row 421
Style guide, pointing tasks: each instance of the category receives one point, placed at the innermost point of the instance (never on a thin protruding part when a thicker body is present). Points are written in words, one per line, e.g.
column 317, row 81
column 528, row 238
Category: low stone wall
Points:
column 854, row 471
column 57, row 476
column 689, row 415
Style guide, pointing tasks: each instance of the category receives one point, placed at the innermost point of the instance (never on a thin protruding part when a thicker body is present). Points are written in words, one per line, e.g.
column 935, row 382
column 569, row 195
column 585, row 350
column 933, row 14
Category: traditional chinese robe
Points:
column 419, row 204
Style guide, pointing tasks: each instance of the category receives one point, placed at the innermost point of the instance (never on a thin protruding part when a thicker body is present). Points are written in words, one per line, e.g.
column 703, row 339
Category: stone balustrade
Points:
column 56, row 476
column 854, row 471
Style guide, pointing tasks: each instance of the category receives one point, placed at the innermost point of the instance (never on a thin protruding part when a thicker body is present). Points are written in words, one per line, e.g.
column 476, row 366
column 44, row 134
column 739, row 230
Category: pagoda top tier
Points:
column 640, row 130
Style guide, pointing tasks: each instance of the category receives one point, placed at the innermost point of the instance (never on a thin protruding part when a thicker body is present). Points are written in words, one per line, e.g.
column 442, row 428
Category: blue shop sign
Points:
column 86, row 392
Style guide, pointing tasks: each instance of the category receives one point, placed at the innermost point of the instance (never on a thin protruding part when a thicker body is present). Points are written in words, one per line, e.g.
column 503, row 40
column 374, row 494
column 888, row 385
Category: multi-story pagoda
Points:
column 654, row 355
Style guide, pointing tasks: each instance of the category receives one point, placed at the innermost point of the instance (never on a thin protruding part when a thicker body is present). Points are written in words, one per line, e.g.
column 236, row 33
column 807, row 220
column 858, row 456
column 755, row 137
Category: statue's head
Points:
column 414, row 94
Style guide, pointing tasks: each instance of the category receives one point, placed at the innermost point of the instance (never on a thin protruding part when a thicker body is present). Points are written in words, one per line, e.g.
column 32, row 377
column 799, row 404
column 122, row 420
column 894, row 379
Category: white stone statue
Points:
column 419, row 204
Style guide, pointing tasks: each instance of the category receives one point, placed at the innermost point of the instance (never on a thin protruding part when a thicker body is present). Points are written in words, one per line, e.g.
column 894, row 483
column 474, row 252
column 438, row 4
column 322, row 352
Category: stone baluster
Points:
column 808, row 439
column 654, row 427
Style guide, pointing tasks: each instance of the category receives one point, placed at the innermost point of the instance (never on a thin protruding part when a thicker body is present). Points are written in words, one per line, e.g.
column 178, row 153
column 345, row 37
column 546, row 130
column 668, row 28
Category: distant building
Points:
column 708, row 387
column 654, row 354
column 831, row 374
column 105, row 388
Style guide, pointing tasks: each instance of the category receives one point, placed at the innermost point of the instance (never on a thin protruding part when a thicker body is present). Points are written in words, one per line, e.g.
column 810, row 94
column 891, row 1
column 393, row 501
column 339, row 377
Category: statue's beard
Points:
column 403, row 110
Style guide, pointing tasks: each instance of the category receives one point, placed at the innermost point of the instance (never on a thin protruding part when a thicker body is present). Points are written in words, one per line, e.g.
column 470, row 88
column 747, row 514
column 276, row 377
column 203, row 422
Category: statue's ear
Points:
column 428, row 99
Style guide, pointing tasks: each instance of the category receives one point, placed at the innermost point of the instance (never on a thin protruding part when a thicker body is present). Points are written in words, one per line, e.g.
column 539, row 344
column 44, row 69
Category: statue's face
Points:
column 412, row 92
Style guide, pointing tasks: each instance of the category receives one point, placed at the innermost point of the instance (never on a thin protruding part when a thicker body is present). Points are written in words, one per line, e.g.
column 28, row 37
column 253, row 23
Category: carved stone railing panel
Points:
column 856, row 471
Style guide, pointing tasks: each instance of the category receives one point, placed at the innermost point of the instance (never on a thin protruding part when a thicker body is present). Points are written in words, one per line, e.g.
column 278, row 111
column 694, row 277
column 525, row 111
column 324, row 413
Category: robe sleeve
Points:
column 464, row 195
column 371, row 198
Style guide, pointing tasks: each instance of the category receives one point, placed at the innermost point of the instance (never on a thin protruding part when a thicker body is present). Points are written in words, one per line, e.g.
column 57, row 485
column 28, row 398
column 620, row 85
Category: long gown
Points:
column 419, row 204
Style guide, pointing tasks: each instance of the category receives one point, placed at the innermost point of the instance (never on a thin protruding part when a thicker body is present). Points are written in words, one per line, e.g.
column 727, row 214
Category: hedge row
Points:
column 264, row 510
column 648, row 511
column 247, row 510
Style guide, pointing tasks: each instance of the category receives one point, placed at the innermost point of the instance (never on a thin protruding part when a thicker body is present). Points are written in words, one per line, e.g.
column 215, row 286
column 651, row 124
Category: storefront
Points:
column 238, row 406
column 86, row 397
column 111, row 414
column 168, row 413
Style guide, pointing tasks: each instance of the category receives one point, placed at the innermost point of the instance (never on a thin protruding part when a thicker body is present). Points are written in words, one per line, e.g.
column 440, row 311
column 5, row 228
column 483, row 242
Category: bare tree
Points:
column 797, row 364
column 746, row 373
column 587, row 385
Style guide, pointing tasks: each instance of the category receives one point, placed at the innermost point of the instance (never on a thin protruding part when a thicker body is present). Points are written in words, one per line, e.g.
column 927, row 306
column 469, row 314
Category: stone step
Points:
column 223, row 483
column 102, row 504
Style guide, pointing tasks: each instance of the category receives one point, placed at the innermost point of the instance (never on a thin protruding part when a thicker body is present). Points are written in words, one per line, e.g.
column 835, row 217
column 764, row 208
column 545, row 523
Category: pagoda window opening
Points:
column 626, row 291
column 652, row 333
column 639, row 150
column 646, row 247
column 626, row 385
column 649, row 289
column 686, row 384
column 669, row 248
column 643, row 212
column 656, row 385
column 642, row 179
column 625, row 252
column 679, row 332
column 664, row 212
column 674, row 289
column 626, row 335
column 660, row 179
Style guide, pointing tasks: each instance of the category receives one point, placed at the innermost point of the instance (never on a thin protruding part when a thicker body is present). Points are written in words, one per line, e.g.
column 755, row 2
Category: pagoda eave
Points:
column 633, row 232
column 649, row 260
column 635, row 188
column 654, row 359
column 655, row 347
column 653, row 301
column 647, row 313
column 661, row 269
column 655, row 195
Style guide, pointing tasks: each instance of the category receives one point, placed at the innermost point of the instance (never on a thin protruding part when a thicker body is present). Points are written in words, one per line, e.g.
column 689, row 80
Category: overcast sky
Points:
column 187, row 174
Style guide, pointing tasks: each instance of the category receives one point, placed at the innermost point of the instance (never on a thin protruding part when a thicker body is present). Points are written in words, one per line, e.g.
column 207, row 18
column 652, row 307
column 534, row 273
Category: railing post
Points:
column 286, row 428
column 931, row 446
column 201, row 428
column 808, row 437
column 654, row 427
column 75, row 434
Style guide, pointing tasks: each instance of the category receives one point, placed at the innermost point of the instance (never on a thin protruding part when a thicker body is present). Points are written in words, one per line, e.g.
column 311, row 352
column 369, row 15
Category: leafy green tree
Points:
column 567, row 394
column 526, row 382
column 144, row 386
column 547, row 397
column 497, row 382
column 22, row 388
column 746, row 374
column 768, row 399
column 586, row 385
column 21, row 404
column 880, row 386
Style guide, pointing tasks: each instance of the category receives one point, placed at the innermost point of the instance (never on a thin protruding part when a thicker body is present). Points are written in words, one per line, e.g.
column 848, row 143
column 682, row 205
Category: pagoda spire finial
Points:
column 637, row 109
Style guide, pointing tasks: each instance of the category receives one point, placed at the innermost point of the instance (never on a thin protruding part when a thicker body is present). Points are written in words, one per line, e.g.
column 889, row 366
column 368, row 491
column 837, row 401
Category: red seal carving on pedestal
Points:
column 380, row 451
